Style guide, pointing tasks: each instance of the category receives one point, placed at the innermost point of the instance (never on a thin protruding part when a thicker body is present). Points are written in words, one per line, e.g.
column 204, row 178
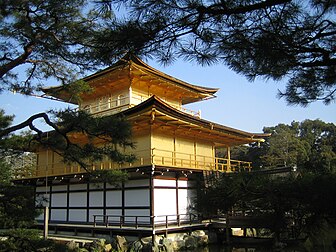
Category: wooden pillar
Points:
column 46, row 222
column 151, row 211
column 151, row 200
column 228, row 153
column 177, row 199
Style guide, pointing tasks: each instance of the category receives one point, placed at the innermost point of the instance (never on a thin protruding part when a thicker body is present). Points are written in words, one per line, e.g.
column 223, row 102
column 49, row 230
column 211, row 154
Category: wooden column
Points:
column 228, row 153
column 46, row 222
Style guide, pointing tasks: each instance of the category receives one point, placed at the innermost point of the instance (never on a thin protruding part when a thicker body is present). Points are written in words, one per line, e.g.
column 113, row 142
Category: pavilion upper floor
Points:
column 126, row 84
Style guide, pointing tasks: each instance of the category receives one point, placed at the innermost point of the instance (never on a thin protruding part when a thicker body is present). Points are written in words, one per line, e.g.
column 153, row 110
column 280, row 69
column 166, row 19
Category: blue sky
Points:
column 240, row 104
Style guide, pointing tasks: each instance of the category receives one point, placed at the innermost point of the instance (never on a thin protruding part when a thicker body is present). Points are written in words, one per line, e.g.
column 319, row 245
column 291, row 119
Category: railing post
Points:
column 152, row 155
column 106, row 220
column 94, row 220
column 136, row 222
column 166, row 221
column 152, row 218
column 121, row 220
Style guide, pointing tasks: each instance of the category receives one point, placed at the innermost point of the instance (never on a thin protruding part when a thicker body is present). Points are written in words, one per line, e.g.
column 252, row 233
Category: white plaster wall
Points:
column 58, row 215
column 113, row 198
column 138, row 197
column 42, row 189
column 108, row 186
column 182, row 183
column 77, row 199
column 165, row 199
column 164, row 204
column 78, row 187
column 183, row 203
column 114, row 215
column 144, row 213
column 96, row 199
column 59, row 200
column 136, row 183
column 56, row 188
column 137, row 212
column 77, row 215
column 95, row 212
column 164, row 182
column 96, row 186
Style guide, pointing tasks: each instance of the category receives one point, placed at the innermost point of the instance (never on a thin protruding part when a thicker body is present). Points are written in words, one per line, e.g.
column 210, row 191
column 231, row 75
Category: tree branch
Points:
column 29, row 123
column 28, row 49
column 223, row 10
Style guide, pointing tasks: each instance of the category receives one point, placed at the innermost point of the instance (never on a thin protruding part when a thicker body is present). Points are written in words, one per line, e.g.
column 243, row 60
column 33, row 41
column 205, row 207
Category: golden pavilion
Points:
column 175, row 150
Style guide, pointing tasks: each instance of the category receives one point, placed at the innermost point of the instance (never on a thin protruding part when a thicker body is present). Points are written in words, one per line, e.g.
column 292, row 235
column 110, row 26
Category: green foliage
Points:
column 17, row 203
column 305, row 200
column 5, row 120
column 48, row 40
column 74, row 90
column 285, row 147
column 18, row 240
column 309, row 145
column 269, row 39
column 17, row 206
column 5, row 173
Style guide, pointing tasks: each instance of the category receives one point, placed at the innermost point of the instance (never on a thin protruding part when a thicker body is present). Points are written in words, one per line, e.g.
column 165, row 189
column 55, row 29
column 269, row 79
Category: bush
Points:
column 27, row 240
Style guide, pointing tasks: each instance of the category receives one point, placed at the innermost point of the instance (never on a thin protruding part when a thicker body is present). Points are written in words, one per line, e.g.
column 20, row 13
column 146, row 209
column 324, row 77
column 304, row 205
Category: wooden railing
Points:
column 184, row 160
column 114, row 106
column 153, row 156
column 144, row 221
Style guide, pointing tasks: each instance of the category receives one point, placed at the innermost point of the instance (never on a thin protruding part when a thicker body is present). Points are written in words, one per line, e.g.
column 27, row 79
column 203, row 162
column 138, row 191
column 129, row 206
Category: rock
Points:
column 121, row 243
column 202, row 241
column 198, row 233
column 82, row 250
column 108, row 247
column 147, row 245
column 136, row 246
column 97, row 245
column 72, row 245
column 166, row 245
column 178, row 245
column 190, row 242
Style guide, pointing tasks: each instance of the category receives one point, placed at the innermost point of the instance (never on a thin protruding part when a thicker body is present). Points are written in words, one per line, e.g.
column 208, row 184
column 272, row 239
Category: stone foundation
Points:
column 171, row 243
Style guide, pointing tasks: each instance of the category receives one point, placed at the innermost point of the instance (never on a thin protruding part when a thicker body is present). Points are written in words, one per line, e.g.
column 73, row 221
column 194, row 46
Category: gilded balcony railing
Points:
column 156, row 157
column 113, row 106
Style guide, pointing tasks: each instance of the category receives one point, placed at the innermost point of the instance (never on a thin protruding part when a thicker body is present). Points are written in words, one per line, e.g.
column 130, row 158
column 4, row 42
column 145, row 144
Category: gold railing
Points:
column 191, row 161
column 154, row 156
column 117, row 105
